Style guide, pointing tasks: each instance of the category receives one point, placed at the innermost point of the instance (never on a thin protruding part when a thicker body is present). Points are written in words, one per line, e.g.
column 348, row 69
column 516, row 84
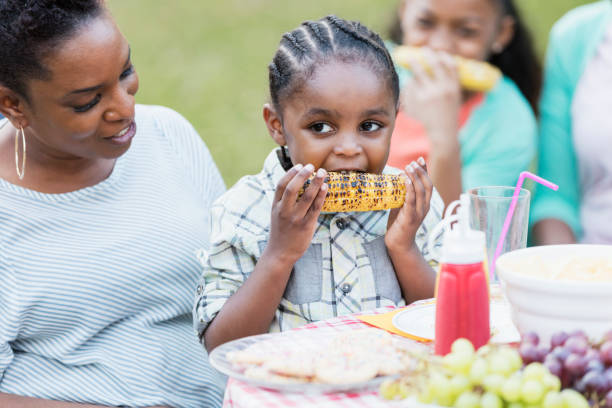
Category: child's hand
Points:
column 294, row 219
column 434, row 97
column 405, row 221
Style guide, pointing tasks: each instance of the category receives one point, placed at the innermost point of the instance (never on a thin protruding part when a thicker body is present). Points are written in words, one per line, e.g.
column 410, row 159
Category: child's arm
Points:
column 416, row 278
column 293, row 221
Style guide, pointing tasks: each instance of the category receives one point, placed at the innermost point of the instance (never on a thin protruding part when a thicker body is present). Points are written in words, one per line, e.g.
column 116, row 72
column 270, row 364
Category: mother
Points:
column 102, row 206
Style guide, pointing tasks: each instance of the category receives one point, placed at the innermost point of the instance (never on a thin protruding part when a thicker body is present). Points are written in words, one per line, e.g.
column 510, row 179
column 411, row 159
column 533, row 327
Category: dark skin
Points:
column 322, row 131
column 472, row 29
column 69, row 148
column 73, row 136
column 551, row 231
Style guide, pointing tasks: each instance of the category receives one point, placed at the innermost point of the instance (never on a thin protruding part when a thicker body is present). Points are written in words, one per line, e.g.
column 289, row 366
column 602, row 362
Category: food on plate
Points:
column 474, row 75
column 355, row 191
column 340, row 358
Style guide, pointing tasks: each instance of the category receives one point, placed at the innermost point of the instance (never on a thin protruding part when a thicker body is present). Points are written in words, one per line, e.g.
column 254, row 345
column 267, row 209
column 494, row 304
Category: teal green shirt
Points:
column 573, row 41
column 499, row 139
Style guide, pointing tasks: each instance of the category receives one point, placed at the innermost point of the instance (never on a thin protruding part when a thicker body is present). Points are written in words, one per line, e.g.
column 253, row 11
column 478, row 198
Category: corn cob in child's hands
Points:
column 354, row 191
column 474, row 75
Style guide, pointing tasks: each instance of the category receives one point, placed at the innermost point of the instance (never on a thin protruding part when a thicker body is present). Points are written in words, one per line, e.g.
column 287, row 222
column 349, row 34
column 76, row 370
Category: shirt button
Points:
column 346, row 288
column 341, row 224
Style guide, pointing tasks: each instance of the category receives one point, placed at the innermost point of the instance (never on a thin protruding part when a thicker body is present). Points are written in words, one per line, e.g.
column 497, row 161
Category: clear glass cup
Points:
column 488, row 209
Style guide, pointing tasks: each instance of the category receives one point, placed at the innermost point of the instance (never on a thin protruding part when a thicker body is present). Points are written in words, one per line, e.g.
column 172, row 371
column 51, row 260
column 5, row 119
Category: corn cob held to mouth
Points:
column 474, row 75
column 354, row 191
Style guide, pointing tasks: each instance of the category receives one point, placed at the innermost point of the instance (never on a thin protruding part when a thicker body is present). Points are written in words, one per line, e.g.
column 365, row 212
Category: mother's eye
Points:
column 89, row 105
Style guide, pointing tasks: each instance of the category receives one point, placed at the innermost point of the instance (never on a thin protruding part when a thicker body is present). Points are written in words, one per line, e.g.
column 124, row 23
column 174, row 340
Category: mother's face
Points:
column 86, row 109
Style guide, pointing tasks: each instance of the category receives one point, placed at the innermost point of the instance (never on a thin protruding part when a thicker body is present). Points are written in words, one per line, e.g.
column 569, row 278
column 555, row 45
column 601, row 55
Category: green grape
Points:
column 535, row 371
column 484, row 350
column 500, row 364
column 458, row 363
column 459, row 384
column 402, row 391
column 514, row 357
column 389, row 390
column 553, row 399
column 515, row 405
column 440, row 387
column 493, row 383
column 532, row 391
column 574, row 399
column 427, row 395
column 551, row 382
column 490, row 400
column 511, row 389
column 468, row 399
column 462, row 346
column 479, row 370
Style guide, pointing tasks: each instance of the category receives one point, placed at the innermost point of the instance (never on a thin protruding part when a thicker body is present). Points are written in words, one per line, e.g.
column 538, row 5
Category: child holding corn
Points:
column 276, row 261
column 471, row 138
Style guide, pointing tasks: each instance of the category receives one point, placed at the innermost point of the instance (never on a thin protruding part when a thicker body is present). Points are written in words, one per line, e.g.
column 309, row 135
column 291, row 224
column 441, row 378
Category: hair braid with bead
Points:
column 314, row 43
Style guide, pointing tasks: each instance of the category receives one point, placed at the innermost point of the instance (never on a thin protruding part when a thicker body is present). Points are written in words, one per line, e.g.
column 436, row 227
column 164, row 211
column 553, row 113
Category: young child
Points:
column 469, row 139
column 276, row 262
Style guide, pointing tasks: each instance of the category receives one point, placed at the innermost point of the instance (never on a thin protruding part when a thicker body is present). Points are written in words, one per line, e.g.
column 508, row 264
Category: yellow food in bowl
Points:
column 571, row 268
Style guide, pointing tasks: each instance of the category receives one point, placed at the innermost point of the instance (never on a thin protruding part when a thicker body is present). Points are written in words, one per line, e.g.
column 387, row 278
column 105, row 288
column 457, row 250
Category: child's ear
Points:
column 504, row 35
column 274, row 124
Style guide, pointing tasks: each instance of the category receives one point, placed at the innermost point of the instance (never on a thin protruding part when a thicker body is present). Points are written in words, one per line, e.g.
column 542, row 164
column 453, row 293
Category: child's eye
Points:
column 467, row 32
column 425, row 23
column 370, row 126
column 321, row 128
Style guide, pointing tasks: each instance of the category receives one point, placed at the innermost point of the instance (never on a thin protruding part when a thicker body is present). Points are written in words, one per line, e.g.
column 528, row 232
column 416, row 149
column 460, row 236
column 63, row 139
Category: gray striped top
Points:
column 96, row 285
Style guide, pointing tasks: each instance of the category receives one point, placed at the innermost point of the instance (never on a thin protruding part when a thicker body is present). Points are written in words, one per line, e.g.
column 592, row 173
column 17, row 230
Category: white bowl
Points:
column 546, row 306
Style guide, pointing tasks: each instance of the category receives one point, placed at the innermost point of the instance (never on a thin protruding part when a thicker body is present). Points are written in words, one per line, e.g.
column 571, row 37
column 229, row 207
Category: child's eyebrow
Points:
column 322, row 112
column 374, row 112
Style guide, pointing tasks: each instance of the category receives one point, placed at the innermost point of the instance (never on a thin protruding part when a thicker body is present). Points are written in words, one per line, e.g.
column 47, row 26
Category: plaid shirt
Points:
column 346, row 268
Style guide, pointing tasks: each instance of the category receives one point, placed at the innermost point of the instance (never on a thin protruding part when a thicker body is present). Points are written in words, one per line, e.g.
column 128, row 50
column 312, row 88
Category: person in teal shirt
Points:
column 575, row 142
column 469, row 139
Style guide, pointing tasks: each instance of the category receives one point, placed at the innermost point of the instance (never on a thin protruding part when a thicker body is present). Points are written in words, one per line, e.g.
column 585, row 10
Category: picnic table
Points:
column 239, row 394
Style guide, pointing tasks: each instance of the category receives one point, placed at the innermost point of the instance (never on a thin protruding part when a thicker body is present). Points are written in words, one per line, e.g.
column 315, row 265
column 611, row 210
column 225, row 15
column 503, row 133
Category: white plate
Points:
column 286, row 341
column 420, row 321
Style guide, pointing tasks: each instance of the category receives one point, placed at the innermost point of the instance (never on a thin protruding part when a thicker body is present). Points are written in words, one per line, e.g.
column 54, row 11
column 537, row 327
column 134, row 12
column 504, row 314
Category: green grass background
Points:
column 208, row 59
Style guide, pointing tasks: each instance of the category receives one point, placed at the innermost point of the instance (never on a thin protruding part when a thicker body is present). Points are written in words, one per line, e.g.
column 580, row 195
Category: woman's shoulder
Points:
column 581, row 19
column 506, row 102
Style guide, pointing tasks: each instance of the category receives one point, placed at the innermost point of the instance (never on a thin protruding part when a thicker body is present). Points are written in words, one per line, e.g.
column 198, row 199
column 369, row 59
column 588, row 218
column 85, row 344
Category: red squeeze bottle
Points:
column 462, row 288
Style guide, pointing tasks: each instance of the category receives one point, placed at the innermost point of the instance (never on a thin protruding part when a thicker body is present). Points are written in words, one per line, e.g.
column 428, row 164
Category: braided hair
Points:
column 518, row 61
column 316, row 42
column 31, row 30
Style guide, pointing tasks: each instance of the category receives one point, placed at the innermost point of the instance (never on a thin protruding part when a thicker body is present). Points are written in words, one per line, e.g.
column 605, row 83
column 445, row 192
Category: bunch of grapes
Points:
column 492, row 377
column 581, row 365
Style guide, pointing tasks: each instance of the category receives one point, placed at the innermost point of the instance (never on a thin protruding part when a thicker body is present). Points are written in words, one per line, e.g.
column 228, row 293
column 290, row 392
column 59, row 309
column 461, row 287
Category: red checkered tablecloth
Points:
column 242, row 395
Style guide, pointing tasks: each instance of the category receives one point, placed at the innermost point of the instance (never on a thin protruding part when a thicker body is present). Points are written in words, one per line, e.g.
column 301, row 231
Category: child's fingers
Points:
column 419, row 74
column 426, row 180
column 282, row 183
column 292, row 190
column 317, row 204
column 311, row 193
column 426, row 184
column 419, row 188
column 410, row 201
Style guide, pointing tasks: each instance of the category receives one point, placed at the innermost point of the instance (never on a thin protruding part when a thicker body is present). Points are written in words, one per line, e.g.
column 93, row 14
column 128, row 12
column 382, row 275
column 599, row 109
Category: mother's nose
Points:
column 122, row 104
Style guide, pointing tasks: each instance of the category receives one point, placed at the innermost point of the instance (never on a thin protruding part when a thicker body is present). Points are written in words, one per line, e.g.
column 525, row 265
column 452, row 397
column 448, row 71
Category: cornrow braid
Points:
column 302, row 50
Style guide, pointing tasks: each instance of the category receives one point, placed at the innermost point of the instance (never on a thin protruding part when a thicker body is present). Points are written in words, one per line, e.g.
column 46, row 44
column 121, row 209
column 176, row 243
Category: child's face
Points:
column 469, row 28
column 341, row 119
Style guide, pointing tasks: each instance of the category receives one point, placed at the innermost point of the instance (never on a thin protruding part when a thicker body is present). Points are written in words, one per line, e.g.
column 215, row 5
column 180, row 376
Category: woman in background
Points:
column 576, row 130
column 468, row 139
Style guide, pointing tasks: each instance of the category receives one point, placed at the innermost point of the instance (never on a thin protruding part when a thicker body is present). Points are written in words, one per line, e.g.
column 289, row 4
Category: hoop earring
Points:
column 283, row 158
column 20, row 173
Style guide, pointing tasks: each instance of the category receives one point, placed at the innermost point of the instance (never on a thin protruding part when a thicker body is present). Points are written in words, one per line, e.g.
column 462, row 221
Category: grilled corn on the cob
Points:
column 474, row 75
column 354, row 191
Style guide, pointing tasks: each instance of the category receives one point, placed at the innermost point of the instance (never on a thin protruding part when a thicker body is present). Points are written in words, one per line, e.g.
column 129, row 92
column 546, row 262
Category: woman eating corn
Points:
column 468, row 106
column 276, row 260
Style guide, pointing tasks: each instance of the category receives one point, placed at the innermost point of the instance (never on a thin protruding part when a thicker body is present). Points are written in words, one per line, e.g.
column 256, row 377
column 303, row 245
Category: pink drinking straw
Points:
column 515, row 197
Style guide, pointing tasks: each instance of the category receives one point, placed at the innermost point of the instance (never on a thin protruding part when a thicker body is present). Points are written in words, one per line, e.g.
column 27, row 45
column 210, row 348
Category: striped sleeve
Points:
column 6, row 351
